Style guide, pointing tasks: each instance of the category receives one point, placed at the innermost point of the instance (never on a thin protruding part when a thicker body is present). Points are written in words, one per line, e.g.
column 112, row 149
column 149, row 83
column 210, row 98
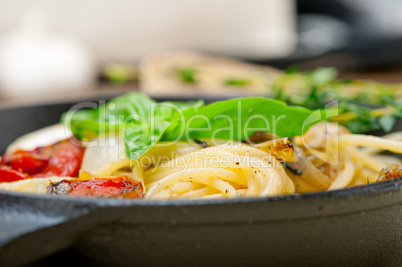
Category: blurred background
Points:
column 57, row 49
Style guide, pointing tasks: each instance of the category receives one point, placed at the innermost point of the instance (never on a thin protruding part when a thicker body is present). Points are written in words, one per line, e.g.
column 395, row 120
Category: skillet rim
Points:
column 377, row 188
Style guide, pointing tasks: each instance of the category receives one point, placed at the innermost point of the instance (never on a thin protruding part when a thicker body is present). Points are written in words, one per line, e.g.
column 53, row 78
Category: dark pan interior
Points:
column 19, row 121
column 356, row 226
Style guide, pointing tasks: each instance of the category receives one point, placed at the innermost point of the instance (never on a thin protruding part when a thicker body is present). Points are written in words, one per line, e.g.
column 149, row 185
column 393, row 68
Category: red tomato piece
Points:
column 98, row 187
column 61, row 159
column 25, row 161
column 9, row 175
column 64, row 160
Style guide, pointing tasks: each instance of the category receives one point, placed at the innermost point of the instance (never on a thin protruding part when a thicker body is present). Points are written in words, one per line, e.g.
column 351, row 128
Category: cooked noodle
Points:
column 240, row 170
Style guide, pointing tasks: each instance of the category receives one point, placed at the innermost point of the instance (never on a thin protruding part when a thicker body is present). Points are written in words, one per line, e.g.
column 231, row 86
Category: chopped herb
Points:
column 187, row 75
column 202, row 143
column 120, row 73
column 290, row 168
column 292, row 69
column 364, row 105
column 237, row 82
column 323, row 75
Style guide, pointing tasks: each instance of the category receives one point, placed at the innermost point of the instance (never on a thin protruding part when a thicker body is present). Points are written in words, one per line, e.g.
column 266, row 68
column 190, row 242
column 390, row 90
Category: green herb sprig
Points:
column 365, row 105
column 187, row 75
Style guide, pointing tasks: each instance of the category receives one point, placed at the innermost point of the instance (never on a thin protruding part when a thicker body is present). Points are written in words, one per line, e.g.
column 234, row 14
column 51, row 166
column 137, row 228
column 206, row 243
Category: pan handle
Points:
column 23, row 217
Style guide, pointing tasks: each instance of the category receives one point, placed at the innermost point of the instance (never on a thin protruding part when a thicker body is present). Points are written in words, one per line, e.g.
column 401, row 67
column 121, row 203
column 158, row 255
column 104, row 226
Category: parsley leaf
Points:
column 237, row 82
column 187, row 75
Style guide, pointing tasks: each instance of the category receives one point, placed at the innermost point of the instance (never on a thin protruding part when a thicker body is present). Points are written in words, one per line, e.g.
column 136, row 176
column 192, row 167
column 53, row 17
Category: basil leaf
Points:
column 143, row 132
column 144, row 122
column 141, row 120
column 237, row 119
column 89, row 123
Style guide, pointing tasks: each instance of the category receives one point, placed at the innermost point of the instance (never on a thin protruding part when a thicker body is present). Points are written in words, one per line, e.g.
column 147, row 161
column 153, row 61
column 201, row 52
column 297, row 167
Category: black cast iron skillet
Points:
column 354, row 226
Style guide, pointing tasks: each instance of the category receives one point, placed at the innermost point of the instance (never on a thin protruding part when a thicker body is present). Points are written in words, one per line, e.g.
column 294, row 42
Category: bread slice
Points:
column 191, row 73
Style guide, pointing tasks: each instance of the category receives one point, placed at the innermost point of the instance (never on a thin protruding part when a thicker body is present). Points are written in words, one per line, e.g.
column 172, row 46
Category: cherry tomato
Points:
column 64, row 160
column 9, row 175
column 98, row 187
column 61, row 159
column 25, row 161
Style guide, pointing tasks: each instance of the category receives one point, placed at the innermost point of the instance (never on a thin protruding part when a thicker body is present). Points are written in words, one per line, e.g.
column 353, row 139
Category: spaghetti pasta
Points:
column 235, row 169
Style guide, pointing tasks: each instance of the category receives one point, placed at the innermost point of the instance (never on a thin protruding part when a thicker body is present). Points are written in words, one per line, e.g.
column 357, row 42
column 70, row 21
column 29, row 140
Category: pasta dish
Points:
column 134, row 147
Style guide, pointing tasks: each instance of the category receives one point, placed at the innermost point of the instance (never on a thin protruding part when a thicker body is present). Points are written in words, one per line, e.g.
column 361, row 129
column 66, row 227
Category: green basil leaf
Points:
column 142, row 133
column 141, row 119
column 144, row 122
column 237, row 119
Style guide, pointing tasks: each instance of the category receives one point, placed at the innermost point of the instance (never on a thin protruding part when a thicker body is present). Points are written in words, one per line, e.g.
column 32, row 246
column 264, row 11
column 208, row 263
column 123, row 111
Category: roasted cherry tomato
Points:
column 25, row 161
column 61, row 159
column 9, row 175
column 116, row 186
column 64, row 160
